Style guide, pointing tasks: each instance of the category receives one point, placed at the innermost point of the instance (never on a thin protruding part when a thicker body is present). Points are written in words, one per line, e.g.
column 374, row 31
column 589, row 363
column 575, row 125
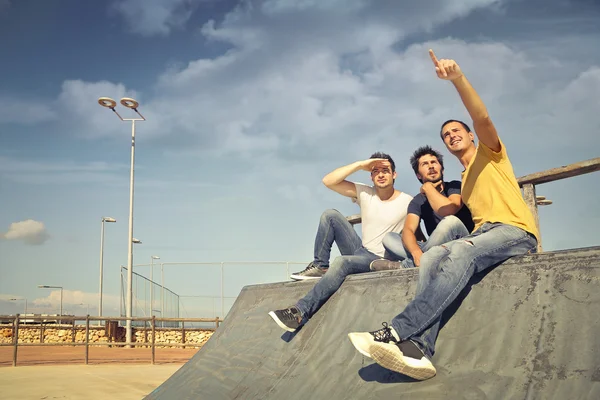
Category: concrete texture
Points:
column 90, row 382
column 527, row 329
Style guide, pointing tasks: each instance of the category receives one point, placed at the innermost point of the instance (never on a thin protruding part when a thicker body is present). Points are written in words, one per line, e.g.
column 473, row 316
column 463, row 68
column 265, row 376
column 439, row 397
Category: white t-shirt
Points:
column 379, row 217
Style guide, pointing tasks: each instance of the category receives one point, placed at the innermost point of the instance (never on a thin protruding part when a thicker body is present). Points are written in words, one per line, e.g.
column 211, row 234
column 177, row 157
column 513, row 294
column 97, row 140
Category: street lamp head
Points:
column 155, row 257
column 138, row 241
column 130, row 103
column 43, row 286
column 107, row 102
column 108, row 219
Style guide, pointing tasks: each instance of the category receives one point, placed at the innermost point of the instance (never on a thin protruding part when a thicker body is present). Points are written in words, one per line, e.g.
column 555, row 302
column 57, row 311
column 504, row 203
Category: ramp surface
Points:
column 529, row 329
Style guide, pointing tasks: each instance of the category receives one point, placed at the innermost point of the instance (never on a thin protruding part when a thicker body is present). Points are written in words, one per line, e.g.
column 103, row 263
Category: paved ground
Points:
column 90, row 382
column 59, row 372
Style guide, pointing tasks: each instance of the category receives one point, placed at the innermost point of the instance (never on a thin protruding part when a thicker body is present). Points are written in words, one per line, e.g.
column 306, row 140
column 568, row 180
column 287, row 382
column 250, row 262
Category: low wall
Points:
column 64, row 334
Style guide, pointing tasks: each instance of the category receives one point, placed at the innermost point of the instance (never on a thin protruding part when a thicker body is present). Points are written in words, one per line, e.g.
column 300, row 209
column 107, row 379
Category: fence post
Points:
column 87, row 338
column 153, row 338
column 531, row 201
column 222, row 291
column 73, row 332
column 183, row 333
column 42, row 331
column 15, row 339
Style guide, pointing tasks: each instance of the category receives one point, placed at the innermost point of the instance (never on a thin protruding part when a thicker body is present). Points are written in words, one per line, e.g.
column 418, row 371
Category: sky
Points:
column 248, row 105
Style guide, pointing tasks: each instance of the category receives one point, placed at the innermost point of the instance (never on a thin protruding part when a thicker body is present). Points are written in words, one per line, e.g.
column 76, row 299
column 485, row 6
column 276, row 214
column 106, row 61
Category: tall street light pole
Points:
column 132, row 104
column 152, row 258
column 61, row 295
column 104, row 219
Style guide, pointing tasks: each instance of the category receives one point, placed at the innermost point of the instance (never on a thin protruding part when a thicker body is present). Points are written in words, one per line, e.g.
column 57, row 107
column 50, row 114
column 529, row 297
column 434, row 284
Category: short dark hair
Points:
column 420, row 152
column 453, row 120
column 379, row 154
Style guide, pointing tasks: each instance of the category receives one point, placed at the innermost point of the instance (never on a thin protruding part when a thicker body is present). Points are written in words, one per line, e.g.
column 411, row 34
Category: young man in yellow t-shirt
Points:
column 504, row 227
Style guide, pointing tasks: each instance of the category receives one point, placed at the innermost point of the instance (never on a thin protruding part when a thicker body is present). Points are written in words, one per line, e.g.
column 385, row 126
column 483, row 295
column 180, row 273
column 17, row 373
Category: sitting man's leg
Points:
column 450, row 228
column 402, row 347
column 333, row 227
column 292, row 317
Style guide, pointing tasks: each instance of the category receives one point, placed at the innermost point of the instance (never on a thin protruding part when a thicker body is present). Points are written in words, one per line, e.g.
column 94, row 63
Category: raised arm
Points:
column 482, row 124
column 441, row 204
column 336, row 180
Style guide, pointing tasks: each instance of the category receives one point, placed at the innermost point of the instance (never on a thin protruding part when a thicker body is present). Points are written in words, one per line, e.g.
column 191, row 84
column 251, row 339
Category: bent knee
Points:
column 331, row 213
column 391, row 240
column 450, row 220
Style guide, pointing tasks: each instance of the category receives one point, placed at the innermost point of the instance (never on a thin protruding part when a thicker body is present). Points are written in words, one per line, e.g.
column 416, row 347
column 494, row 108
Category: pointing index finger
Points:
column 433, row 58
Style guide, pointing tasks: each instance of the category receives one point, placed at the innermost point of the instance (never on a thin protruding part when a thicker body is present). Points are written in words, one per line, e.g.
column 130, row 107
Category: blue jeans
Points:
column 450, row 228
column 446, row 270
column 339, row 269
column 334, row 227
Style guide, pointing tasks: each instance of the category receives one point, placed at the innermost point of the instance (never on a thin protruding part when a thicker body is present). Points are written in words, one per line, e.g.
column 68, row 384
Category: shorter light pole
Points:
column 104, row 219
column 15, row 299
column 61, row 295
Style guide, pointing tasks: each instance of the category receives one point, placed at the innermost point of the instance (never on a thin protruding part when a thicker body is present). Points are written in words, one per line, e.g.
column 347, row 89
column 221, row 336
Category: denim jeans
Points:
column 450, row 228
column 446, row 270
column 339, row 269
column 334, row 227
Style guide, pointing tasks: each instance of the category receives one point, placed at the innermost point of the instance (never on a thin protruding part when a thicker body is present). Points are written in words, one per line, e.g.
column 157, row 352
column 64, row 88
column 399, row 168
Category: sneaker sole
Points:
column 389, row 356
column 304, row 278
column 360, row 343
column 281, row 324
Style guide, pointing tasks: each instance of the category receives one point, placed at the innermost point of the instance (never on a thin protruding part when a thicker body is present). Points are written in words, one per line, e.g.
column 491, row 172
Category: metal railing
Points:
column 86, row 343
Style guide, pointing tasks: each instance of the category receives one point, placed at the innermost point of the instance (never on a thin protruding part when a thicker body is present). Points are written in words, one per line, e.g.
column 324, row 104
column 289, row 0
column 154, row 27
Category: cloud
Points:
column 26, row 112
column 75, row 302
column 301, row 78
column 62, row 172
column 155, row 17
column 29, row 231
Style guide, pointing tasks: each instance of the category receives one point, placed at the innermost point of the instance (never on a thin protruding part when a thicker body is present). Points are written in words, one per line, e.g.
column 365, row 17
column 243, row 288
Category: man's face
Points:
column 382, row 175
column 456, row 138
column 430, row 169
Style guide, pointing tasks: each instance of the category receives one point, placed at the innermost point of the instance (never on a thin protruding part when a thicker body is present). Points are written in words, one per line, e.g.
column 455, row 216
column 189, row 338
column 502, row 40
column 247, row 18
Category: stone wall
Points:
column 64, row 334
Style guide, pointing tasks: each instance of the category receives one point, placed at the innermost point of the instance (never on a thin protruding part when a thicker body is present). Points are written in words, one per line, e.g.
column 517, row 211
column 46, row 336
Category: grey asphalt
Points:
column 89, row 382
column 527, row 329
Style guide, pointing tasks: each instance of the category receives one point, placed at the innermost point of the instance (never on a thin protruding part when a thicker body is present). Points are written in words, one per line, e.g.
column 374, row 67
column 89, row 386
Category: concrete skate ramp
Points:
column 529, row 329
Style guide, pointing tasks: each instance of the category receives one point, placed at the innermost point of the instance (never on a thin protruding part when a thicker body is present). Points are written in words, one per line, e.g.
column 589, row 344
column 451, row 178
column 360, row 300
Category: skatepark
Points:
column 526, row 331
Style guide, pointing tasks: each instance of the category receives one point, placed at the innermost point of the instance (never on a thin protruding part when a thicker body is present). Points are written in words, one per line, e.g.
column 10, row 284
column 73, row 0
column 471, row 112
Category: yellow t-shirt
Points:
column 490, row 190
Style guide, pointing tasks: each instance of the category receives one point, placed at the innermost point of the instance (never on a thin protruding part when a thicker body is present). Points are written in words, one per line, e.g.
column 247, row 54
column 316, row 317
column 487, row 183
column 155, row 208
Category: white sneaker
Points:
column 363, row 341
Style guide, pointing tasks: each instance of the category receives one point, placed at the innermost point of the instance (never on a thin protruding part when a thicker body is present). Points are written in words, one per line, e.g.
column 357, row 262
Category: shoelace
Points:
column 310, row 266
column 289, row 314
column 384, row 334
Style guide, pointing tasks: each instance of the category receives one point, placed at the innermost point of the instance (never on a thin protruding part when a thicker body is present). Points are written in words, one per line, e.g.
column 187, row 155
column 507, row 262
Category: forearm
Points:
column 410, row 241
column 340, row 174
column 470, row 99
column 440, row 204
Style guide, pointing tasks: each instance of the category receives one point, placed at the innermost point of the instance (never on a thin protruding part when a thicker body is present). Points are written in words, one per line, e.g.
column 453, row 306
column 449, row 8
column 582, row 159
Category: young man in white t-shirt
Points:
column 382, row 209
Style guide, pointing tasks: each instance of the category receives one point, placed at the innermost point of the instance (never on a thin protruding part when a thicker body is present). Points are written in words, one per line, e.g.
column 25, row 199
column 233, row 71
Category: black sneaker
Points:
column 364, row 340
column 405, row 357
column 385, row 265
column 312, row 271
column 288, row 318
